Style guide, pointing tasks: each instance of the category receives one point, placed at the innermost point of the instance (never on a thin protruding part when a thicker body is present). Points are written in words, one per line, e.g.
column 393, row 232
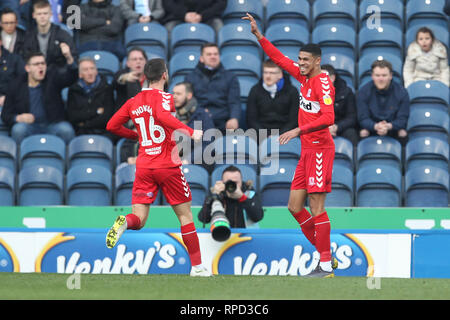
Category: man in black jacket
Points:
column 48, row 37
column 11, row 67
column 242, row 207
column 345, row 116
column 273, row 102
column 13, row 38
column 193, row 11
column 90, row 102
column 33, row 101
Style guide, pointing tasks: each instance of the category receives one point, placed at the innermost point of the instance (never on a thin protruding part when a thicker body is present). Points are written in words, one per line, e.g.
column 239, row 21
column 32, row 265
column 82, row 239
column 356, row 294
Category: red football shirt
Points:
column 151, row 111
column 316, row 107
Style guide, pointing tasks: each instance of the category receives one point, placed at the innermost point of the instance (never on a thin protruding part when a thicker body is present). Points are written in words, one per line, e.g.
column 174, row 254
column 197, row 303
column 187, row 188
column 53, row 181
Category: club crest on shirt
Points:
column 327, row 100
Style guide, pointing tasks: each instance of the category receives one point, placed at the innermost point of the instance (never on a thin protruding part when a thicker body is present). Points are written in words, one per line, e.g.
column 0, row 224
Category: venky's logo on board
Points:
column 8, row 260
column 140, row 253
column 288, row 254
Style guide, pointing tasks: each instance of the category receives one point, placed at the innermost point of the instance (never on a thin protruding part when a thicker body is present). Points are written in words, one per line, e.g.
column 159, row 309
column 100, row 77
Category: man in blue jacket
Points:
column 383, row 105
column 216, row 89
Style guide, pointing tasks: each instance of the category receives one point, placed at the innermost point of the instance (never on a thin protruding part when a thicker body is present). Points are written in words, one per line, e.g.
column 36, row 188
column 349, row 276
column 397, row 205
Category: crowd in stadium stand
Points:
column 380, row 107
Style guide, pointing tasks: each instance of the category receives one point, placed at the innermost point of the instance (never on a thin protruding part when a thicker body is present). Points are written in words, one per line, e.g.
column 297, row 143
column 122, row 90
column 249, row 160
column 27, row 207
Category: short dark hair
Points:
column 187, row 86
column 328, row 67
column 312, row 48
column 137, row 49
column 231, row 169
column 32, row 55
column 6, row 11
column 154, row 69
column 425, row 30
column 381, row 64
column 41, row 4
column 208, row 45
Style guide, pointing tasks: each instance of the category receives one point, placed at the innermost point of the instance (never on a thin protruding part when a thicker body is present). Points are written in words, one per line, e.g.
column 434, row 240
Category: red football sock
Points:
column 306, row 222
column 190, row 239
column 323, row 228
column 133, row 221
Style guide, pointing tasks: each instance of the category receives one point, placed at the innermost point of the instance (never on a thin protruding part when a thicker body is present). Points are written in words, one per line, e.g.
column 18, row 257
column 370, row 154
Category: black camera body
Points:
column 230, row 186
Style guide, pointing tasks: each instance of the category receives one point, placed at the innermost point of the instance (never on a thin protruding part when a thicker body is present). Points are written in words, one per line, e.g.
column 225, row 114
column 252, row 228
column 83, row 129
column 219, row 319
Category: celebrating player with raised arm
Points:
column 158, row 164
column 312, row 176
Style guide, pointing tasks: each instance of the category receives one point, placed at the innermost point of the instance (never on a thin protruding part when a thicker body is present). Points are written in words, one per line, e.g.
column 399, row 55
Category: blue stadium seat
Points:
column 236, row 148
column 378, row 186
column 429, row 151
column 426, row 186
column 379, row 150
column 341, row 12
column 107, row 63
column 271, row 150
column 421, row 12
column 335, row 39
column 236, row 9
column 341, row 187
column 40, row 185
column 191, row 36
column 288, row 11
column 8, row 153
column 198, row 180
column 242, row 64
column 365, row 64
column 440, row 32
column 182, row 63
column 90, row 149
column 344, row 65
column 430, row 91
column 152, row 37
column 382, row 40
column 88, row 185
column 248, row 173
column 4, row 129
column 236, row 37
column 287, row 35
column 43, row 149
column 275, row 187
column 343, row 153
column 428, row 120
column 7, row 187
column 390, row 12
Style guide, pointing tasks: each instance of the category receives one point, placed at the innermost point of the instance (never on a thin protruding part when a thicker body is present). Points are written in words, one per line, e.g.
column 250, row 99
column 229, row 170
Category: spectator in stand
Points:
column 272, row 102
column 141, row 11
column 188, row 11
column 11, row 67
column 13, row 38
column 426, row 59
column 48, row 37
column 129, row 81
column 383, row 105
column 101, row 27
column 345, row 117
column 216, row 89
column 33, row 101
column 90, row 102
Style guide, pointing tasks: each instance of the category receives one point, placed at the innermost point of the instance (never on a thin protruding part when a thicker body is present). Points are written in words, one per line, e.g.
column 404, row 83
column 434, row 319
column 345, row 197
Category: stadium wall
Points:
column 274, row 217
column 283, row 252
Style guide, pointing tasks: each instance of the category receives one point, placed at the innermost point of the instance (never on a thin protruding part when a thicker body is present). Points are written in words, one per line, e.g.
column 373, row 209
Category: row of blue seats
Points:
column 99, row 150
column 375, row 185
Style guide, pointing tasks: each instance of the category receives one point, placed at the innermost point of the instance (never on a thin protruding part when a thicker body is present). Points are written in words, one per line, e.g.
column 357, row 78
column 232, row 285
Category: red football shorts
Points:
column 171, row 181
column 314, row 170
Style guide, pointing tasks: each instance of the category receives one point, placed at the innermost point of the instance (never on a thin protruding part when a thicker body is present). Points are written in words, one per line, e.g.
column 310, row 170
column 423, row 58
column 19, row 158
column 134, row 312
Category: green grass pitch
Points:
column 222, row 287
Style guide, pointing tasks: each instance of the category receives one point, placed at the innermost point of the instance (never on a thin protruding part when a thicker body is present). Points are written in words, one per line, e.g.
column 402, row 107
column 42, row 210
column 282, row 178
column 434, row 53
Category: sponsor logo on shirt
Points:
column 308, row 106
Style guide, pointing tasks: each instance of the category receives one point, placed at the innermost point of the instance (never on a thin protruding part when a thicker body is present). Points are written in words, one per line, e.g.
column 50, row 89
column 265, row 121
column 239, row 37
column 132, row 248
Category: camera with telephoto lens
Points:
column 230, row 186
column 220, row 226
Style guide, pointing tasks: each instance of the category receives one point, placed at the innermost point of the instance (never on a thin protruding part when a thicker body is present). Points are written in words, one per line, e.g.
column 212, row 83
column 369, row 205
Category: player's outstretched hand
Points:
column 253, row 26
column 288, row 135
column 197, row 135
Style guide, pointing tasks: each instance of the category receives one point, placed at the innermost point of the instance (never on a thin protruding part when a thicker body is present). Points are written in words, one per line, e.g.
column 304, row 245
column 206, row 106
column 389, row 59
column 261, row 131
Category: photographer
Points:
column 242, row 207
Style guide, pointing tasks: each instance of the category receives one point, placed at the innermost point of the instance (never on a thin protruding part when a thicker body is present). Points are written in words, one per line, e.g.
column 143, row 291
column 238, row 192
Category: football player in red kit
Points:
column 312, row 177
column 158, row 164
